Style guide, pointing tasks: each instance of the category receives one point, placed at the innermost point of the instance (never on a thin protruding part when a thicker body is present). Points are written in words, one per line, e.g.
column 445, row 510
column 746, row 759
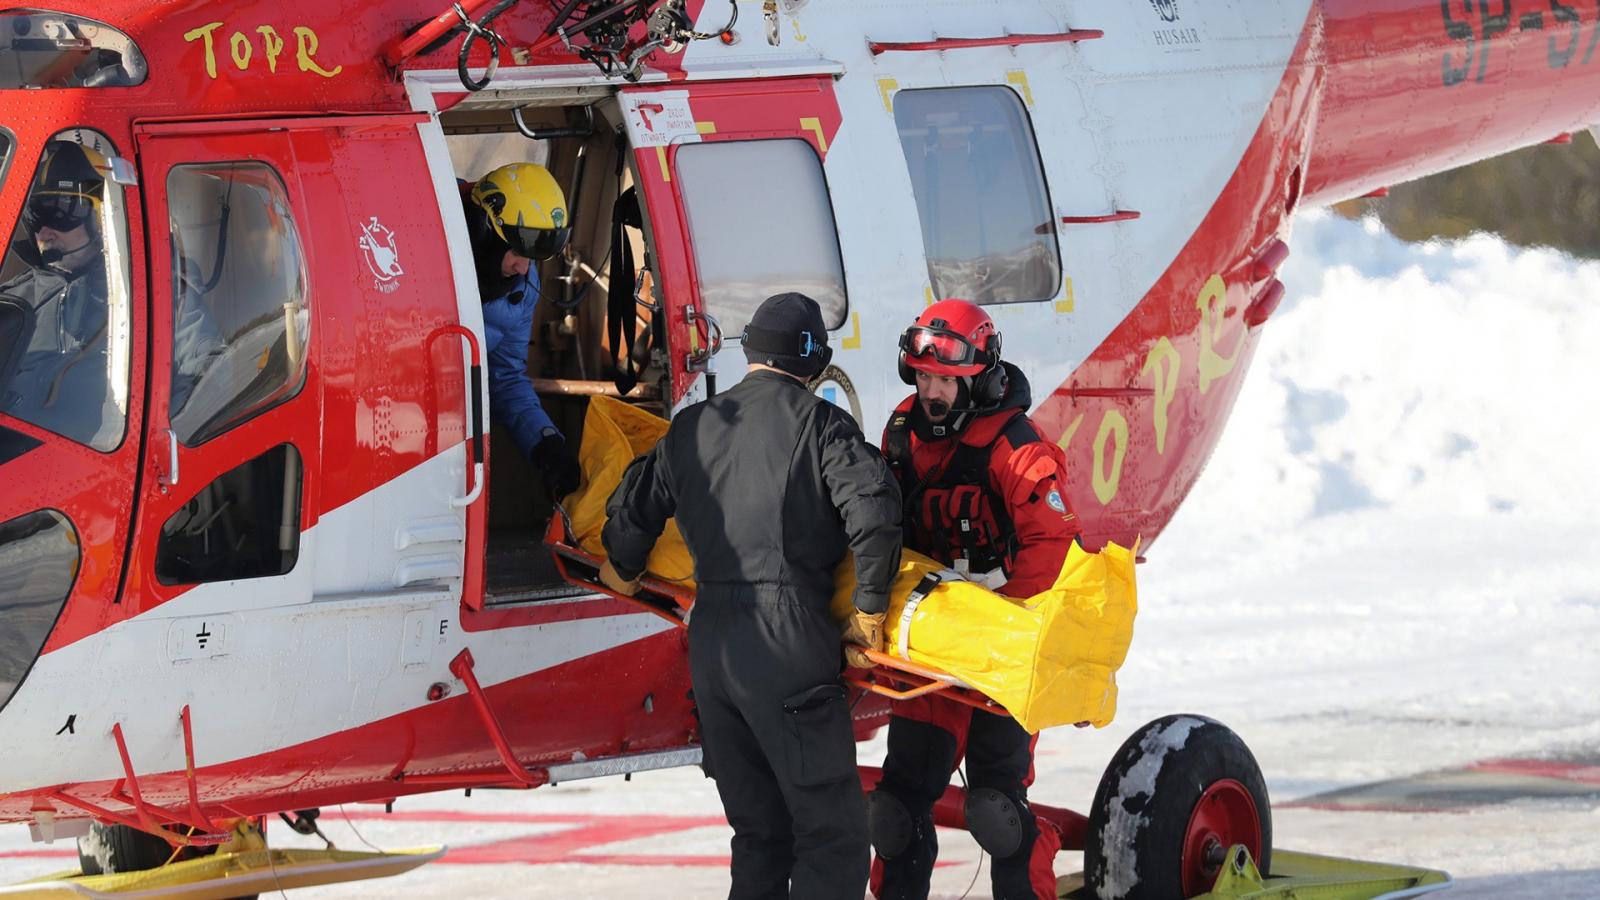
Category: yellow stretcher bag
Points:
column 1050, row 659
column 614, row 435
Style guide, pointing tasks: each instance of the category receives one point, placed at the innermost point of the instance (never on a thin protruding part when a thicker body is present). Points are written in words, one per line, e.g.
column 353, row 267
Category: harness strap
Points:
column 621, row 317
column 968, row 465
column 897, row 450
column 914, row 600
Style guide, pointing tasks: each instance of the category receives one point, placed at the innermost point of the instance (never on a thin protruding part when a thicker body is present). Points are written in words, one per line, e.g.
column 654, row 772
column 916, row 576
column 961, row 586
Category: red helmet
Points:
column 951, row 337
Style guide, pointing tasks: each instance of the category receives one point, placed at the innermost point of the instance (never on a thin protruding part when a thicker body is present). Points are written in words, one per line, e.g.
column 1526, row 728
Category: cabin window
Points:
column 761, row 224
column 246, row 524
column 38, row 563
column 240, row 318
column 987, row 226
column 64, row 307
column 43, row 49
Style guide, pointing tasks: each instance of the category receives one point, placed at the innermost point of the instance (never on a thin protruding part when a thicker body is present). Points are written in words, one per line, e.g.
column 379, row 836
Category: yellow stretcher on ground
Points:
column 1048, row 660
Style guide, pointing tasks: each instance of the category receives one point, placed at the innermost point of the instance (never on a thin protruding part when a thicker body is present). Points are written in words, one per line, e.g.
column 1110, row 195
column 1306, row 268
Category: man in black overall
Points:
column 770, row 486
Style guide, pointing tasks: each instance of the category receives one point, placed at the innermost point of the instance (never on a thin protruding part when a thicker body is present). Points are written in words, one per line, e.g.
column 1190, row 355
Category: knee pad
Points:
column 890, row 824
column 997, row 821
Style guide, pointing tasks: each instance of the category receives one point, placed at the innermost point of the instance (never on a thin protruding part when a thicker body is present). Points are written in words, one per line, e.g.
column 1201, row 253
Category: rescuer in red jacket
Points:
column 984, row 494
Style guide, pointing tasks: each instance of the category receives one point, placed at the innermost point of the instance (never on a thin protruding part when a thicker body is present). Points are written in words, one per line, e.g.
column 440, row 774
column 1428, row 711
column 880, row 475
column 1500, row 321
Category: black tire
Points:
column 1179, row 792
column 109, row 849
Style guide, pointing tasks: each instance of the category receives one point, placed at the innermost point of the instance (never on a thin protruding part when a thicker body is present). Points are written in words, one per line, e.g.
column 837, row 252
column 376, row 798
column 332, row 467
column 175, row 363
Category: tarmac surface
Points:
column 662, row 835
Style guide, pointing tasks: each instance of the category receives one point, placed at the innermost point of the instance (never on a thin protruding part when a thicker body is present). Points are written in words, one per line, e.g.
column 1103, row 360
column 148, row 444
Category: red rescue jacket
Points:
column 994, row 494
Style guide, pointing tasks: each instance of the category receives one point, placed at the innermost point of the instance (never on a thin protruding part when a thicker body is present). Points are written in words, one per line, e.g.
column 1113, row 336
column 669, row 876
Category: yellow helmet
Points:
column 526, row 208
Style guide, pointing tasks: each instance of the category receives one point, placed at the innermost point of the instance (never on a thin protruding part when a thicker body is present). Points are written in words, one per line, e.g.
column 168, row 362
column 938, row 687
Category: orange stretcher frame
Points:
column 893, row 678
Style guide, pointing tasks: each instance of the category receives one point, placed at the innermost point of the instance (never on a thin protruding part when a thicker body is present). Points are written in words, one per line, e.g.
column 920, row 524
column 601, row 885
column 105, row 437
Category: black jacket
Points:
column 770, row 486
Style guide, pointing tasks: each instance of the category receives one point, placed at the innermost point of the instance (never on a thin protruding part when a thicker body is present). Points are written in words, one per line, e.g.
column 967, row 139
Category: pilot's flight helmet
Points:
column 526, row 208
column 68, row 189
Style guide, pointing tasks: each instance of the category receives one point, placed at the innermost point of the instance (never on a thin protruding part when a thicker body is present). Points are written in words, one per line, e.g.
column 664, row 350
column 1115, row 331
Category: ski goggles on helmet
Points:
column 941, row 346
column 59, row 211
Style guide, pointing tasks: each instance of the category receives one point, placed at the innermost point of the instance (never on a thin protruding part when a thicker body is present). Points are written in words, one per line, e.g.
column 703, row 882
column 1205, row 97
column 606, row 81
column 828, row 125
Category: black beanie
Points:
column 787, row 332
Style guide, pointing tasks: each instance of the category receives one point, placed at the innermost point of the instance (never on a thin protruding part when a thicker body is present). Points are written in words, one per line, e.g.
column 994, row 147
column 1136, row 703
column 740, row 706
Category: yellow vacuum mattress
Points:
column 1050, row 659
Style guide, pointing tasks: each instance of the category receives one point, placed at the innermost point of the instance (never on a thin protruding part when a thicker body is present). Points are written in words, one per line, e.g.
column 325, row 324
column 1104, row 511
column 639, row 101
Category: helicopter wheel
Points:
column 112, row 849
column 1178, row 794
column 108, row 849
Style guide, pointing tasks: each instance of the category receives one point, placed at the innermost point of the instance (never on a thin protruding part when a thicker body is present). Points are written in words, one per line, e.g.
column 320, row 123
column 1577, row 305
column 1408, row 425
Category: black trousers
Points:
column 775, row 728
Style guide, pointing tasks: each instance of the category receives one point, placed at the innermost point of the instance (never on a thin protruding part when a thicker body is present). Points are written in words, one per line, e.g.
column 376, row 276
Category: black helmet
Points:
column 68, row 189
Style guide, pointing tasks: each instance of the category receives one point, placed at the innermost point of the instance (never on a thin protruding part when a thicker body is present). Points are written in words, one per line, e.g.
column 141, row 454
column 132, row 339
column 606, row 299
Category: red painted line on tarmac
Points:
column 511, row 853
column 458, row 815
column 590, row 832
column 1336, row 806
column 40, row 853
column 576, row 844
column 1540, row 768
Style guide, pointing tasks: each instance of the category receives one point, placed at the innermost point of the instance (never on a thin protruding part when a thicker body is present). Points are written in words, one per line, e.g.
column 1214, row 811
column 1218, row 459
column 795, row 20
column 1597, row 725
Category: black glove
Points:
column 557, row 465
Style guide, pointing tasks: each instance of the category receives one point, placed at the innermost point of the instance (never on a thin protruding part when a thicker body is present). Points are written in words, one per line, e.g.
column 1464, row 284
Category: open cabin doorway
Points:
column 573, row 355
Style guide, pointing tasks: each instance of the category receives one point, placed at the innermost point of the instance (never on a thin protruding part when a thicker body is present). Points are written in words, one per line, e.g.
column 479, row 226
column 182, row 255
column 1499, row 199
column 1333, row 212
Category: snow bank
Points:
column 1396, row 541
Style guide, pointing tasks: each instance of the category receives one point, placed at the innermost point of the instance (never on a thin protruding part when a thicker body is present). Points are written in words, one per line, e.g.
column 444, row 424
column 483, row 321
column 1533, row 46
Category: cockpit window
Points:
column 64, row 308
column 6, row 143
column 43, row 49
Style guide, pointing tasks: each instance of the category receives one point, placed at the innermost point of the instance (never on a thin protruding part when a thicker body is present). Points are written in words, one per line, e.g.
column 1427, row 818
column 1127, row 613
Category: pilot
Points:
column 59, row 379
column 771, row 486
column 983, row 495
column 517, row 214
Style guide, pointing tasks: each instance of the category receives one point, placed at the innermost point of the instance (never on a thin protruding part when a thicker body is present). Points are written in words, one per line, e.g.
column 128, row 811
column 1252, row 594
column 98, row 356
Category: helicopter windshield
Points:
column 64, row 309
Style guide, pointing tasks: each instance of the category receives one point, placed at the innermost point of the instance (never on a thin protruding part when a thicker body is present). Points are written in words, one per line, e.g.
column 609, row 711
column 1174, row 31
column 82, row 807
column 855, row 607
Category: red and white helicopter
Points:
column 286, row 574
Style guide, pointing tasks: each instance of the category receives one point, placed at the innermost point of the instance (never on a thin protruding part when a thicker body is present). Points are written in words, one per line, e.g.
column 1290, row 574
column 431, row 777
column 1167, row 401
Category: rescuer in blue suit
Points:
column 517, row 214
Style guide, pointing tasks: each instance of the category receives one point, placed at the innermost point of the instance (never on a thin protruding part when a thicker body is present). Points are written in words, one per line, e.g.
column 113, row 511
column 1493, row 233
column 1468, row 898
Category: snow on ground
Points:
column 1391, row 567
column 1392, row 563
column 1395, row 544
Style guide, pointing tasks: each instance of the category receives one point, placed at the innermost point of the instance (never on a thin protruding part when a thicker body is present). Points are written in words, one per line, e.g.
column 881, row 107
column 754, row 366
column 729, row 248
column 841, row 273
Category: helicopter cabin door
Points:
column 734, row 184
column 309, row 393
column 233, row 431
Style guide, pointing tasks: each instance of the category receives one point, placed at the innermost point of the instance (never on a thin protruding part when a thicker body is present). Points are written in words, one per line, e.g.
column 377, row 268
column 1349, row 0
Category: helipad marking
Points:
column 576, row 844
column 1460, row 790
column 1582, row 773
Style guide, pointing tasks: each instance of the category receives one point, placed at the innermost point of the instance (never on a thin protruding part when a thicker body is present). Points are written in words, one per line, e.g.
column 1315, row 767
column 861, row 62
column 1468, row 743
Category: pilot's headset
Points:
column 526, row 209
column 957, row 338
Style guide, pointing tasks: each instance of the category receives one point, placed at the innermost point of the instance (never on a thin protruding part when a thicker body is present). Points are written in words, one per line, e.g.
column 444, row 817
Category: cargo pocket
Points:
column 821, row 744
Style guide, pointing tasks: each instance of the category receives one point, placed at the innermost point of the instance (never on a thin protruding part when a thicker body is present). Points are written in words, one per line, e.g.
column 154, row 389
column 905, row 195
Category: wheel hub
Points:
column 1224, row 815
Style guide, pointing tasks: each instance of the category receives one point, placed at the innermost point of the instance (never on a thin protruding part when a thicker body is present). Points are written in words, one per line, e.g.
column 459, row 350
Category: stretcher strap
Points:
column 918, row 594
